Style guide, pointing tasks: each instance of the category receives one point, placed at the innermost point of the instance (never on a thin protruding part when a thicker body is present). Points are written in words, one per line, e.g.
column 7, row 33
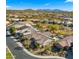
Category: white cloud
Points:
column 69, row 1
column 47, row 4
column 8, row 6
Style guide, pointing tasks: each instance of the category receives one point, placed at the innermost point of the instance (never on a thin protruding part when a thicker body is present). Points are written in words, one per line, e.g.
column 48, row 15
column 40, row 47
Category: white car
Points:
column 8, row 33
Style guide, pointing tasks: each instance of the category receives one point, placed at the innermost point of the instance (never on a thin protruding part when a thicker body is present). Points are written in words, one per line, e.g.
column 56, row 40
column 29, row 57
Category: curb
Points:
column 10, row 53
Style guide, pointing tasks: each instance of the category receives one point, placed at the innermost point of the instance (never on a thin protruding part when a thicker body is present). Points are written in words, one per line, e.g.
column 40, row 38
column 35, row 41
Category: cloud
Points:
column 47, row 4
column 8, row 6
column 69, row 1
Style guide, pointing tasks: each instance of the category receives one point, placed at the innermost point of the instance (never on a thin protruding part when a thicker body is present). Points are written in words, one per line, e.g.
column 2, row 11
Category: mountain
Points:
column 46, row 10
column 54, row 10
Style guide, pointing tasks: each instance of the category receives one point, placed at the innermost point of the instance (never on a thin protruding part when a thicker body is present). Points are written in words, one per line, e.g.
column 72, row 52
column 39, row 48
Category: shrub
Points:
column 12, row 30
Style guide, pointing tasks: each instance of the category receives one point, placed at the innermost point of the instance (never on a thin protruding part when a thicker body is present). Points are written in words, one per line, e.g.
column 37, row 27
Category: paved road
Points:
column 17, row 52
column 70, row 55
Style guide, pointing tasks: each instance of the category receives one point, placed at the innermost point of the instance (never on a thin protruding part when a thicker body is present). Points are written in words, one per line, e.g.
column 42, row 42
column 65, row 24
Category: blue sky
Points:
column 40, row 4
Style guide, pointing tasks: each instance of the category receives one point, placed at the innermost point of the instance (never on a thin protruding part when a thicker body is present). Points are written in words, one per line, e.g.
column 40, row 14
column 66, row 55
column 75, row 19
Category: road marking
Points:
column 10, row 53
column 29, row 53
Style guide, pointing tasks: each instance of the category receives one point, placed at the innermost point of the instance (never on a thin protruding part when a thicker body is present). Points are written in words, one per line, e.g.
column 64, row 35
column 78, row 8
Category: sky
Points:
column 39, row 4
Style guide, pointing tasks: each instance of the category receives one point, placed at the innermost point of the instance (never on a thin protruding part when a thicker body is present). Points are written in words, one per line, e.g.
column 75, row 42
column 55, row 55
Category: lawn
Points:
column 8, row 54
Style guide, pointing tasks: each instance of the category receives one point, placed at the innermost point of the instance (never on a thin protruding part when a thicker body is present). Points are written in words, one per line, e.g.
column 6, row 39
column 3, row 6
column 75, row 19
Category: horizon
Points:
column 41, row 9
column 65, row 5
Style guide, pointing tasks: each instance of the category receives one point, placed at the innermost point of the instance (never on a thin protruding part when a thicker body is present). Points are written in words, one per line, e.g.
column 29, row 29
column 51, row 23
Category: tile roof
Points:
column 66, row 41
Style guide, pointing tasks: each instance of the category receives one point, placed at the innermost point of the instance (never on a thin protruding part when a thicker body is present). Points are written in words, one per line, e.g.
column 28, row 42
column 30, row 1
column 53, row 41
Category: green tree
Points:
column 54, row 27
column 12, row 30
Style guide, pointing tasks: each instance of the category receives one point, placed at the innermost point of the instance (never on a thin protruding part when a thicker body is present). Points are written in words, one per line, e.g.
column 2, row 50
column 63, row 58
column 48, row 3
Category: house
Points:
column 66, row 41
column 65, row 44
column 13, row 15
column 41, row 38
column 47, row 33
column 16, row 19
column 23, row 29
column 7, row 23
column 18, row 24
column 50, row 22
column 30, row 32
column 68, row 18
column 35, row 20
column 27, row 34
column 68, row 21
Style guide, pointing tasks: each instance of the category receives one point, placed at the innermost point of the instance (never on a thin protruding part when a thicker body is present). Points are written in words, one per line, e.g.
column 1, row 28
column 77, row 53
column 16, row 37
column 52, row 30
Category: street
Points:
column 17, row 51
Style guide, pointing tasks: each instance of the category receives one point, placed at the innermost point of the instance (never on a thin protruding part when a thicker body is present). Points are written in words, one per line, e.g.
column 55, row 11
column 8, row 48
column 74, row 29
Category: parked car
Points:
column 8, row 33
